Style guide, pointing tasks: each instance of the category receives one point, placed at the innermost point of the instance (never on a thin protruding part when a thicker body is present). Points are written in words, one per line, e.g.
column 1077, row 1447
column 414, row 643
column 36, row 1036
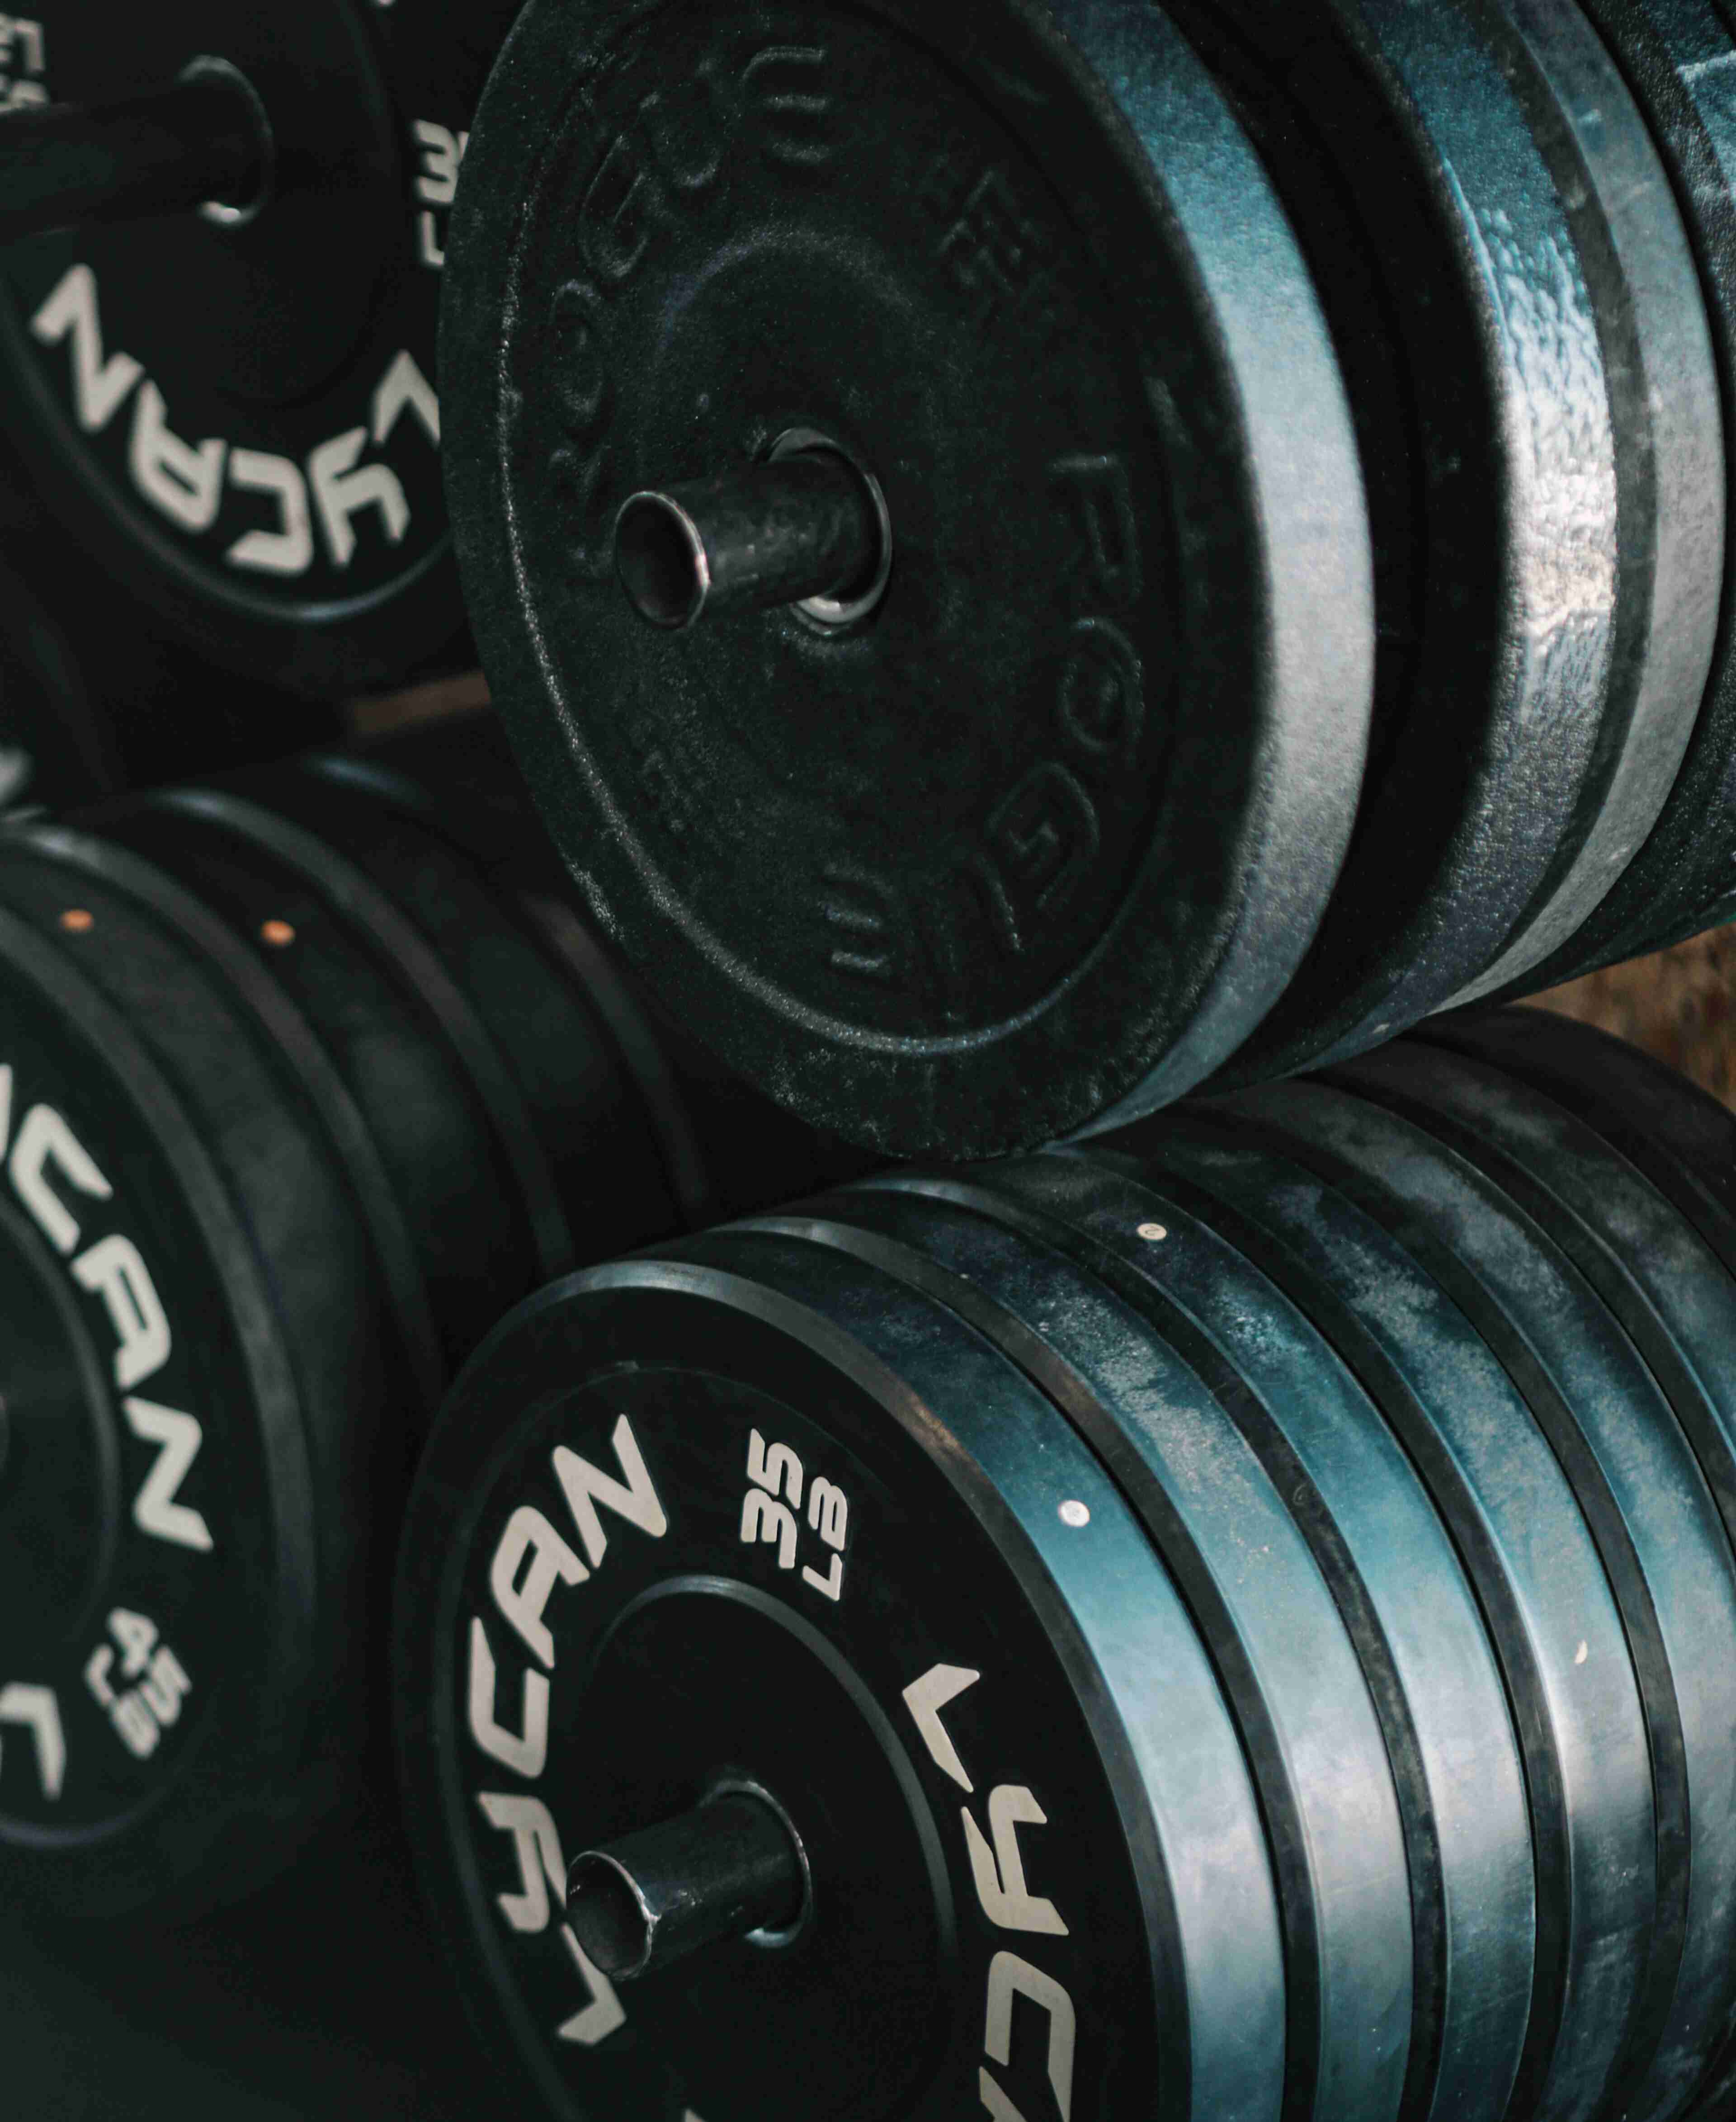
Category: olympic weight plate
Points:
column 1381, row 1281
column 158, row 1557
column 343, row 960
column 238, row 414
column 54, row 749
column 1307, row 1719
column 1376, row 1541
column 1638, row 1431
column 1536, row 698
column 1675, row 55
column 1051, row 826
column 1680, row 1137
column 974, row 1243
column 950, row 1636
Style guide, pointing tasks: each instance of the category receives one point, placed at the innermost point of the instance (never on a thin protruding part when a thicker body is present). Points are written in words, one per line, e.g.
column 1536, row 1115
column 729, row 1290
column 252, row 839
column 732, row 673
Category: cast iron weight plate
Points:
column 240, row 419
column 1051, row 829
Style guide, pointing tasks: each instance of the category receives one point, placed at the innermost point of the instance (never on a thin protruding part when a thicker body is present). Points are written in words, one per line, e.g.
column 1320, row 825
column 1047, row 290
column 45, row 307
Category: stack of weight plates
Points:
column 1235, row 1621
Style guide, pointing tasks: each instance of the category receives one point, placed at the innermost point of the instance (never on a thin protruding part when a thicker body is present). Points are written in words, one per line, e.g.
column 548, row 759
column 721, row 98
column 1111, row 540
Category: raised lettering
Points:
column 585, row 482
column 865, row 913
column 786, row 92
column 1100, row 704
column 683, row 126
column 1040, row 842
column 575, row 362
column 617, row 215
column 1101, row 561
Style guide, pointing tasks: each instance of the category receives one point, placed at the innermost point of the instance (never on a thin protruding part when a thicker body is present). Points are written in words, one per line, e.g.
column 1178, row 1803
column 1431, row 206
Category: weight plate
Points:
column 724, row 1148
column 1681, row 1139
column 470, row 755
column 159, row 1708
column 285, row 1035
column 1049, row 831
column 480, row 975
column 1562, row 404
column 1376, row 1540
column 54, row 748
column 1427, row 1662
column 1665, row 392
column 239, row 417
column 1498, row 1955
column 977, row 1633
column 1377, row 1277
column 1346, row 1927
column 1641, row 1441
column 320, row 933
column 1675, row 55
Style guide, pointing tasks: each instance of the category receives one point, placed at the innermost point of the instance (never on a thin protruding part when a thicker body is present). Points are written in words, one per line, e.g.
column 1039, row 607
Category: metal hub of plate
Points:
column 1051, row 823
column 239, row 414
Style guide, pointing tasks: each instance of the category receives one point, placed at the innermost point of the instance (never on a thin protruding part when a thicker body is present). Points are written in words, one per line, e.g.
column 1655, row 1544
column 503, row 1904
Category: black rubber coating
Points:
column 1201, row 1496
column 1472, row 1945
column 397, row 1110
column 1662, row 1489
column 1421, row 1394
column 235, row 1811
column 1052, row 827
column 1676, row 56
